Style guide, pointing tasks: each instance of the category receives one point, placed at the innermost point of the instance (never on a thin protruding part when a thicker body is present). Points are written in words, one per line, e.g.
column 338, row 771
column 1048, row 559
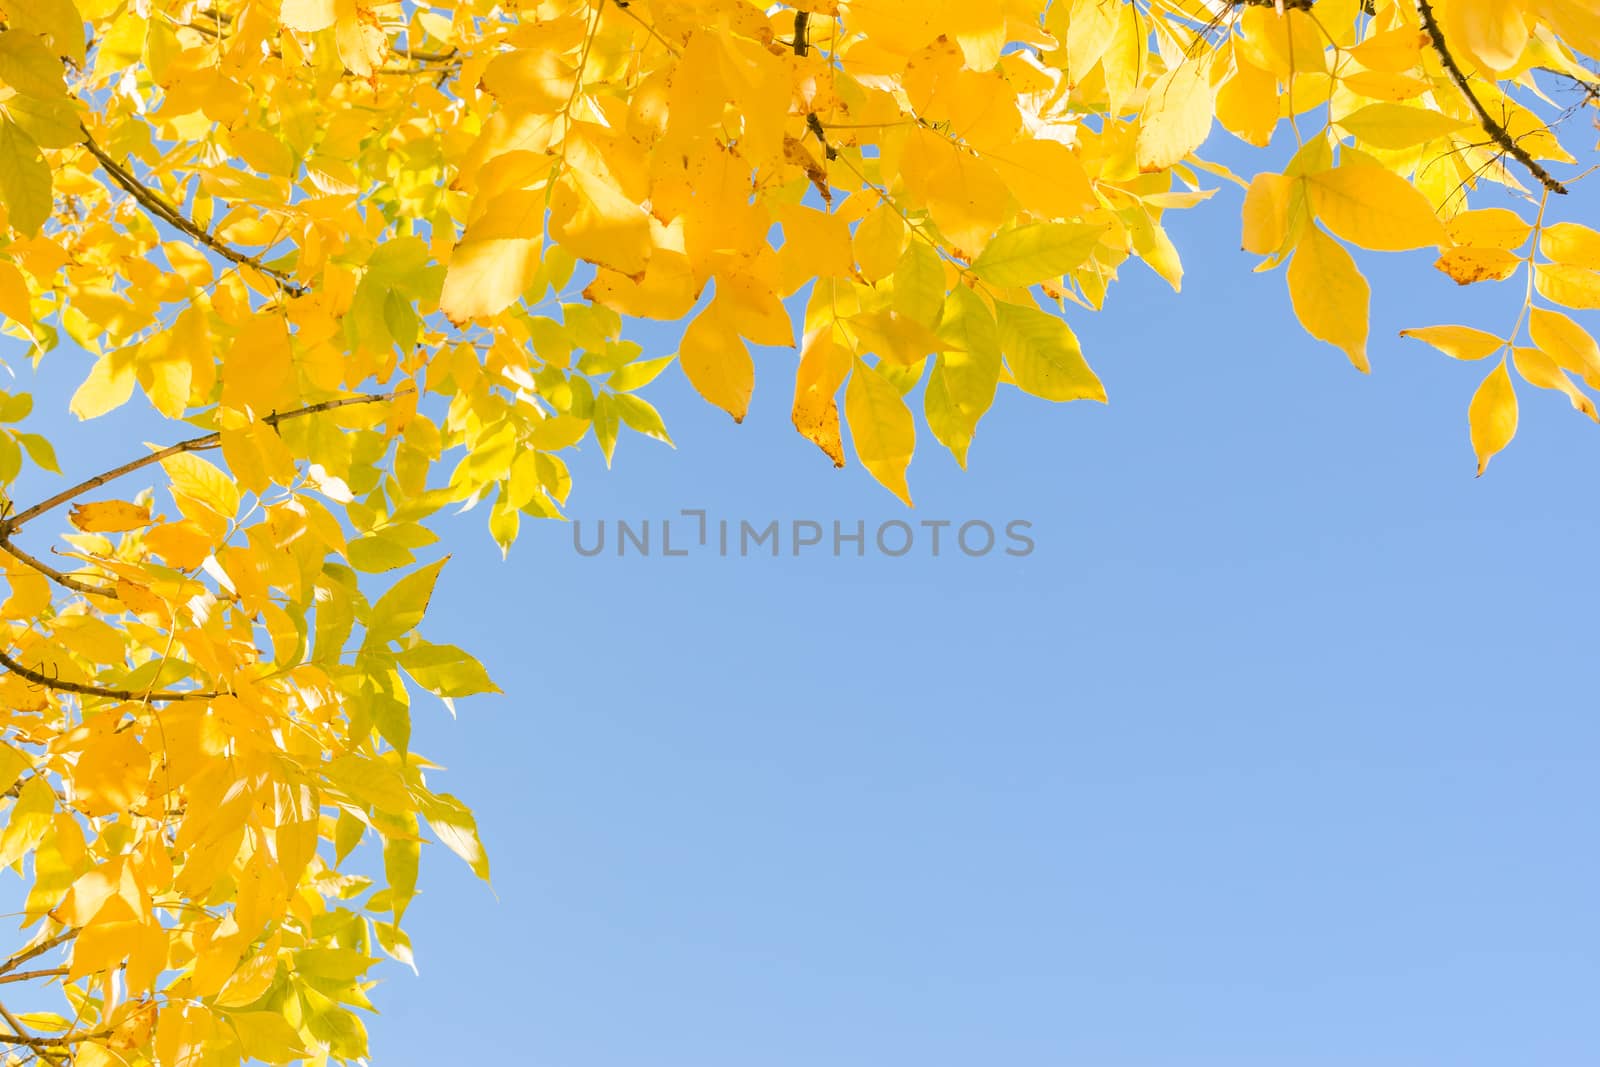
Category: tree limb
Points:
column 155, row 205
column 28, row 976
column 193, row 444
column 38, row 950
column 25, row 1038
column 1498, row 133
column 60, row 577
column 83, row 689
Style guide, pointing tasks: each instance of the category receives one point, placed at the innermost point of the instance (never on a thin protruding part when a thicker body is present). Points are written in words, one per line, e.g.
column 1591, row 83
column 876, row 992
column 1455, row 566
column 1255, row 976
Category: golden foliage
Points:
column 383, row 257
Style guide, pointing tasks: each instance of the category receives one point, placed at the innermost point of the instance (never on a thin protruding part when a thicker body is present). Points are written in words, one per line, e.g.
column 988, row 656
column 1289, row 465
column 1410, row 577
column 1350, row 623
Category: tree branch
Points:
column 194, row 444
column 28, row 976
column 52, row 1043
column 1498, row 133
column 155, row 205
column 83, row 689
column 422, row 62
column 26, row 1038
column 38, row 950
column 61, row 578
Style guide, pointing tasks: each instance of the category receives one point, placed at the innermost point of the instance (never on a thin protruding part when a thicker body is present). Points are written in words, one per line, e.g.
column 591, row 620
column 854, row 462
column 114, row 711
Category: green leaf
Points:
column 919, row 291
column 558, row 432
column 1044, row 356
column 606, row 423
column 641, row 417
column 638, row 375
column 446, row 671
column 25, row 184
column 378, row 552
column 40, row 451
column 368, row 781
column 401, row 856
column 453, row 824
column 962, row 385
column 1037, row 253
column 265, row 1036
column 399, row 610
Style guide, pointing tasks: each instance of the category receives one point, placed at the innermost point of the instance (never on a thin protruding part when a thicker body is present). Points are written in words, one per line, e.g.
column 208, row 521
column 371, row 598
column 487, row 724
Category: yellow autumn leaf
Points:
column 109, row 385
column 1177, row 114
column 308, row 16
column 1569, row 344
column 1459, row 342
column 1248, row 104
column 965, row 374
column 1538, row 369
column 25, row 179
column 1383, row 85
column 1043, row 355
column 496, row 260
column 112, row 773
column 1375, row 208
column 110, row 516
column 15, row 299
column 1036, row 253
column 1492, row 32
column 1489, row 227
column 882, row 430
column 718, row 365
column 1466, row 265
column 1492, row 415
column 1568, row 286
column 1571, row 244
column 1267, row 205
column 1396, row 126
column 824, row 364
column 878, row 241
column 1393, row 50
column 1330, row 296
column 1047, row 178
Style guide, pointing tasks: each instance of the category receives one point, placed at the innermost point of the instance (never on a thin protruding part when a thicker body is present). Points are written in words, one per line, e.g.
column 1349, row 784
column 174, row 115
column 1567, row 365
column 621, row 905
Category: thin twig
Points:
column 1495, row 130
column 83, row 689
column 51, row 1043
column 425, row 62
column 194, row 444
column 155, row 205
column 28, row 976
column 38, row 950
column 60, row 577
column 24, row 1037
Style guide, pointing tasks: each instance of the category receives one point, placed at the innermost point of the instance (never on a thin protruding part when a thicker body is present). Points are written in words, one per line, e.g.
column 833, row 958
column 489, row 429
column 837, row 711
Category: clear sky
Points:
column 1280, row 748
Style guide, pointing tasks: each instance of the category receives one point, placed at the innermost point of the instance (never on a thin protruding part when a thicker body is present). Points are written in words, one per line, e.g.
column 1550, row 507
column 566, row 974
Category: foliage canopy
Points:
column 371, row 260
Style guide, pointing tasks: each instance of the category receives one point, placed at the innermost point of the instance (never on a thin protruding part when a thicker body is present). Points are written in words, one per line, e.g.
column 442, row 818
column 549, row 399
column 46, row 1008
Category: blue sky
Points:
column 1279, row 748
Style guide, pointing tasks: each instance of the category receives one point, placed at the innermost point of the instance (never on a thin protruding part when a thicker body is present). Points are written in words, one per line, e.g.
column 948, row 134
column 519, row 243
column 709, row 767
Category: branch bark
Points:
column 155, row 205
column 28, row 976
column 193, row 444
column 165, row 696
column 38, row 950
column 56, row 575
column 1498, row 133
